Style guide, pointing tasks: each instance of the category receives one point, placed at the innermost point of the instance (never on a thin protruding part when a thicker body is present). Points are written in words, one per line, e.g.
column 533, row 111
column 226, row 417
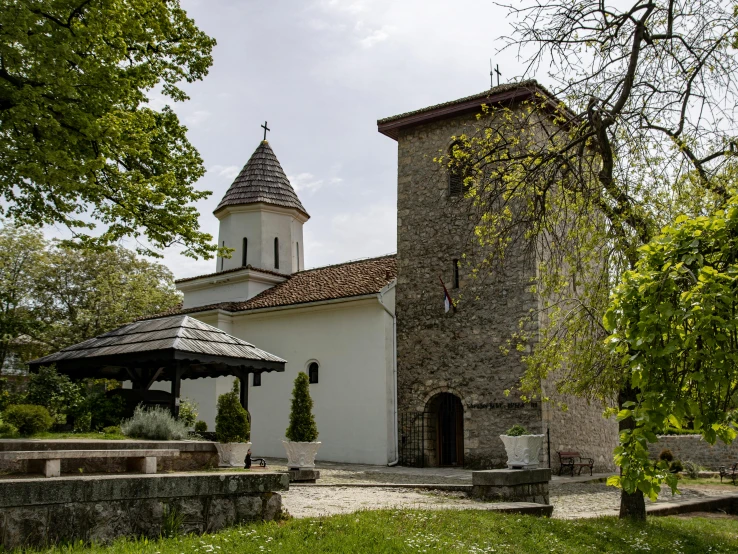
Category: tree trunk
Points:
column 632, row 505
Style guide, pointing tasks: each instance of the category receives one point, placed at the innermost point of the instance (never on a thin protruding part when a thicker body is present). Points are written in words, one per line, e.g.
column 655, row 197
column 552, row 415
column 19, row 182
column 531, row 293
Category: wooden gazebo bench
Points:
column 142, row 460
column 569, row 461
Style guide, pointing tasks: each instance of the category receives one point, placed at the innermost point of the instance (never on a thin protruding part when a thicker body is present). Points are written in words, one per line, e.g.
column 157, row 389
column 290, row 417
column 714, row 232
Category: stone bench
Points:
column 141, row 460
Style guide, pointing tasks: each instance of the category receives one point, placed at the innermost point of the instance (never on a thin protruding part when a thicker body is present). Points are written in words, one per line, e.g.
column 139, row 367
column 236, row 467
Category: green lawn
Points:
column 91, row 435
column 450, row 531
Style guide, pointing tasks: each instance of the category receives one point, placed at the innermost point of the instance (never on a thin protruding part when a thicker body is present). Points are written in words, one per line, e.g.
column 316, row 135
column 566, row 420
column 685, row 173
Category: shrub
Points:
column 7, row 429
column 302, row 426
column 676, row 466
column 112, row 430
column 56, row 392
column 105, row 411
column 83, row 423
column 692, row 469
column 188, row 412
column 666, row 455
column 232, row 420
column 153, row 423
column 201, row 427
column 28, row 418
column 517, row 431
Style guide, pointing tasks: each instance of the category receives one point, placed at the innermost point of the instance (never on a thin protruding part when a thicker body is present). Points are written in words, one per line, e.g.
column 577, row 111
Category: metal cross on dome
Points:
column 265, row 129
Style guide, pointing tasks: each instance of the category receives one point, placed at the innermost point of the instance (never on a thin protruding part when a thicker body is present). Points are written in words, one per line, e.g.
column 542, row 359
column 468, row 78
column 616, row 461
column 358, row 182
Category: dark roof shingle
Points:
column 262, row 179
column 314, row 285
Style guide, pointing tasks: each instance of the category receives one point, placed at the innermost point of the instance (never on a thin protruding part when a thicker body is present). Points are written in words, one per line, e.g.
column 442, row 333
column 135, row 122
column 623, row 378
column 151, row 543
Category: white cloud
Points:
column 307, row 182
column 197, row 117
column 227, row 171
column 375, row 37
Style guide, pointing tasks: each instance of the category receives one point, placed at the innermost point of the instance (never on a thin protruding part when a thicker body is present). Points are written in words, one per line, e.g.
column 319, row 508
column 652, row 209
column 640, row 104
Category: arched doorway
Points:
column 447, row 413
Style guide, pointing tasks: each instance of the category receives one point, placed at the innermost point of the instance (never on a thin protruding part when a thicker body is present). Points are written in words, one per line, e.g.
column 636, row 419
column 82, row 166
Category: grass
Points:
column 472, row 531
column 705, row 481
column 73, row 436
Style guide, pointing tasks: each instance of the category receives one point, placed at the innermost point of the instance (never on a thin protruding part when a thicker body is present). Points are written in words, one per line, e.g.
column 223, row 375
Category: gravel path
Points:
column 571, row 498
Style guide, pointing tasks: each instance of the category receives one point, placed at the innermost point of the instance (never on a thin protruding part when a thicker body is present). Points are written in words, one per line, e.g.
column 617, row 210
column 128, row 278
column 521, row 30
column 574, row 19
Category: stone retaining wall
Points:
column 694, row 449
column 40, row 512
column 193, row 455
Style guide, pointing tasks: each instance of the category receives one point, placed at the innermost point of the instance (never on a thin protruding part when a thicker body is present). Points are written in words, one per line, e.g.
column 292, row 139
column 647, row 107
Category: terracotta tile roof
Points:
column 234, row 270
column 262, row 179
column 314, row 285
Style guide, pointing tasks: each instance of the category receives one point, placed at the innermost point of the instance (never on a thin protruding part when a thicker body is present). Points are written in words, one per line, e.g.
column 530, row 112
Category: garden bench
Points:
column 142, row 460
column 731, row 472
column 568, row 462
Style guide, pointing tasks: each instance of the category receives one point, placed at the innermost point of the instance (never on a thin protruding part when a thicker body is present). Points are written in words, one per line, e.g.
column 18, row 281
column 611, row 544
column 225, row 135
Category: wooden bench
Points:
column 731, row 471
column 568, row 462
column 142, row 460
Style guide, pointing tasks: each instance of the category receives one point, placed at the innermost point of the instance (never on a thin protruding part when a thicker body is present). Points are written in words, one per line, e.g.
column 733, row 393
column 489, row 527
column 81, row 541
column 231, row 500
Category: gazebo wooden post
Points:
column 244, row 389
column 176, row 384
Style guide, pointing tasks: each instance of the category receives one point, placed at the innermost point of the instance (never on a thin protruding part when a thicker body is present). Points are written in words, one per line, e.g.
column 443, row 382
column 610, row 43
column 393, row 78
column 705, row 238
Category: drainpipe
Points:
column 394, row 377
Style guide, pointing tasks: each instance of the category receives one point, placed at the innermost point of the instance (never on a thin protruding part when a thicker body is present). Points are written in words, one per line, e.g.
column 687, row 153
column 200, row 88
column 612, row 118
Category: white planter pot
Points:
column 232, row 454
column 301, row 454
column 522, row 451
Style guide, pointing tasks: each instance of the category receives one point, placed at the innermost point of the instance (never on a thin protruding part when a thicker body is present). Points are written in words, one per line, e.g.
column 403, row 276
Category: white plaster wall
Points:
column 224, row 292
column 352, row 342
column 261, row 223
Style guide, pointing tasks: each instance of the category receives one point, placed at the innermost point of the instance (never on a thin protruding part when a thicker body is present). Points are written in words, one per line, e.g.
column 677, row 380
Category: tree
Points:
column 80, row 294
column 55, row 392
column 20, row 251
column 302, row 427
column 78, row 144
column 643, row 129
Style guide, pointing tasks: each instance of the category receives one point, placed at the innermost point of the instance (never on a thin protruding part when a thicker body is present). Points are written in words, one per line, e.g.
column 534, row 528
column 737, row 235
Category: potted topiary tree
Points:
column 522, row 448
column 232, row 429
column 301, row 434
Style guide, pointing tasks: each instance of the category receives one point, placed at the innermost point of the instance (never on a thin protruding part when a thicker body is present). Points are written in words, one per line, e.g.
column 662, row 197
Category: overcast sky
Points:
column 321, row 73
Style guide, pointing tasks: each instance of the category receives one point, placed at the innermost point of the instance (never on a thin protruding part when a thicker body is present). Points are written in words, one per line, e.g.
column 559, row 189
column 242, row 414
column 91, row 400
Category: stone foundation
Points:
column 42, row 512
column 303, row 475
column 512, row 485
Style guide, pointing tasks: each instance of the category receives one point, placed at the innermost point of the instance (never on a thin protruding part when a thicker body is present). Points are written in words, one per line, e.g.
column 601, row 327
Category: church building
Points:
column 394, row 377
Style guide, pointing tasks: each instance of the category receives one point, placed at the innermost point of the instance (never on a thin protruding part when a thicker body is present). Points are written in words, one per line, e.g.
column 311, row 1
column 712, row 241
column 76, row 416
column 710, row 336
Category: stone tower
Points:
column 261, row 218
column 452, row 372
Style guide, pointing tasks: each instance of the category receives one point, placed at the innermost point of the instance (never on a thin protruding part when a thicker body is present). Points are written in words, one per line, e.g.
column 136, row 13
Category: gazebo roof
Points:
column 201, row 350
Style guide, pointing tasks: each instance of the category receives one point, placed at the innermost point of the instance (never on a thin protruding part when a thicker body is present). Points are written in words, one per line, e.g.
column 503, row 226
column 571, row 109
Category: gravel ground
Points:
column 571, row 499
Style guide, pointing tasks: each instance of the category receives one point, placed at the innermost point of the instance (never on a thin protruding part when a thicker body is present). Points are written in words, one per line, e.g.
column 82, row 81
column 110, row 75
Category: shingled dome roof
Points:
column 262, row 179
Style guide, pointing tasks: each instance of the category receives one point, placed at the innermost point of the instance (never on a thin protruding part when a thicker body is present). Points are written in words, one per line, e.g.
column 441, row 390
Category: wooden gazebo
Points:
column 166, row 349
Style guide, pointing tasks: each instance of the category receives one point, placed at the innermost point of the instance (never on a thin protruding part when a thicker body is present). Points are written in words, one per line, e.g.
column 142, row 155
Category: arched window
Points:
column 297, row 247
column 276, row 253
column 244, row 254
column 457, row 172
column 313, row 372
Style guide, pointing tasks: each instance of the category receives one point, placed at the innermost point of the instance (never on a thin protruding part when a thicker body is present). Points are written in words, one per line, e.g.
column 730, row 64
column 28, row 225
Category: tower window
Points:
column 297, row 247
column 456, row 274
column 313, row 373
column 257, row 380
column 276, row 253
column 457, row 173
column 244, row 255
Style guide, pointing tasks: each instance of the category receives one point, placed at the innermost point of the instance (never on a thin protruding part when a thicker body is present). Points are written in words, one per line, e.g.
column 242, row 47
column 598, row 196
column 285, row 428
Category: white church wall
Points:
column 225, row 291
column 351, row 341
column 232, row 230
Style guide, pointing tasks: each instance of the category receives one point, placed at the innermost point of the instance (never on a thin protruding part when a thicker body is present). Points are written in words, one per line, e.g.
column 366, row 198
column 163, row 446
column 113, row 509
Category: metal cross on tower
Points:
column 265, row 129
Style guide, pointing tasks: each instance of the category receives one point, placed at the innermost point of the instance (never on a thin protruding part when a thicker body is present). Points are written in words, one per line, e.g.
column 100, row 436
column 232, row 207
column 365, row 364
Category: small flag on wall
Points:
column 447, row 302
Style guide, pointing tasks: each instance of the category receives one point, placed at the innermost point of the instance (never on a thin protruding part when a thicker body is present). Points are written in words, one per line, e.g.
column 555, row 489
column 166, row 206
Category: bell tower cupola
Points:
column 261, row 218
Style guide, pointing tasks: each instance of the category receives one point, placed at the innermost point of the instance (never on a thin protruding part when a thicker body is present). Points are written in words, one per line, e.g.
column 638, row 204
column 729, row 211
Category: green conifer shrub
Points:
column 232, row 419
column 201, row 427
column 302, row 426
column 28, row 418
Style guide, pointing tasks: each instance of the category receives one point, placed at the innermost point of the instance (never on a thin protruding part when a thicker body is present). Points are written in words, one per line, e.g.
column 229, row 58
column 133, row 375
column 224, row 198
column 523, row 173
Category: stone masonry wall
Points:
column 43, row 512
column 693, row 448
column 457, row 352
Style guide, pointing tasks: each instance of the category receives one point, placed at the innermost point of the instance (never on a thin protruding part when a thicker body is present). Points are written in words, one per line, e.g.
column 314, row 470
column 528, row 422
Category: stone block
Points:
column 146, row 464
column 273, row 506
column 509, row 477
column 222, row 513
column 52, row 468
column 249, row 508
column 303, row 475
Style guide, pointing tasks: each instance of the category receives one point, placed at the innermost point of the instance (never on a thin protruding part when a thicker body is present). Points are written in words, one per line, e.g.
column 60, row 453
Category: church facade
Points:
column 394, row 377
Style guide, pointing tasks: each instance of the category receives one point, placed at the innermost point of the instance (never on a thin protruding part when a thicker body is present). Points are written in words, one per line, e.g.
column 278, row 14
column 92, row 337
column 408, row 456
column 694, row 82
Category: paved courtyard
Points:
column 571, row 497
